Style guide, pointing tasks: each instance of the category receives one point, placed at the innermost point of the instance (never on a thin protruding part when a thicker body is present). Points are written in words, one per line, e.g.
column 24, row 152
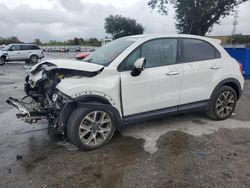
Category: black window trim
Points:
column 14, row 46
column 23, row 46
column 181, row 47
column 177, row 55
column 30, row 46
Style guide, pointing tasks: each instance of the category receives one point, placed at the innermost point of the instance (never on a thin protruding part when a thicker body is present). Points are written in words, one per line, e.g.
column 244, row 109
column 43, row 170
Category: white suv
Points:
column 130, row 80
column 21, row 52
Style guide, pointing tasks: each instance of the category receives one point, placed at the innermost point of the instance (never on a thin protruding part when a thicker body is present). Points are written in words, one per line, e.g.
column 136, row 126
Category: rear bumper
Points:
column 41, row 56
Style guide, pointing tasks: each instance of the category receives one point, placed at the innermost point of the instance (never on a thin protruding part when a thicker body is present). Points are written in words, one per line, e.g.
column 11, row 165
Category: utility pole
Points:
column 235, row 23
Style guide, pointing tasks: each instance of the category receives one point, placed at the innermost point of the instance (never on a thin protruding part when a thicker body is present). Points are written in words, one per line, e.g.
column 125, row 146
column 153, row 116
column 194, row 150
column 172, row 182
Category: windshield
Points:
column 5, row 48
column 107, row 53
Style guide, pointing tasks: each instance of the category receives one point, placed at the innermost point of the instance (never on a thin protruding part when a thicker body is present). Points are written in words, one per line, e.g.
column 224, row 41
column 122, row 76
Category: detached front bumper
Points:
column 28, row 112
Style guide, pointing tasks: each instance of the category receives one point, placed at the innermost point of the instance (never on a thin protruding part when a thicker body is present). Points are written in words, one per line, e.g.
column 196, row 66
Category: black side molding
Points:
column 201, row 106
column 131, row 119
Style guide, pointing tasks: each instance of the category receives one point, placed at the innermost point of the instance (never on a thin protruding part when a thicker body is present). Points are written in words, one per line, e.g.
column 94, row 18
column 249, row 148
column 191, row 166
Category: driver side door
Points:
column 14, row 53
column 158, row 86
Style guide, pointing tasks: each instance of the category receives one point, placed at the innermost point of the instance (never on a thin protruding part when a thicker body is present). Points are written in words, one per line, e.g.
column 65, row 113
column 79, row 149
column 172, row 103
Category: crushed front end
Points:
column 43, row 100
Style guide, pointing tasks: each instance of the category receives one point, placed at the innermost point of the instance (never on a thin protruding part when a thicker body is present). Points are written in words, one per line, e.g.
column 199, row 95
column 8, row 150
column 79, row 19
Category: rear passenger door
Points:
column 202, row 68
column 28, row 50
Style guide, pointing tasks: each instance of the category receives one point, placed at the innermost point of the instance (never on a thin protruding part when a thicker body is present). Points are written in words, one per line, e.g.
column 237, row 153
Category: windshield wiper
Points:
column 88, row 60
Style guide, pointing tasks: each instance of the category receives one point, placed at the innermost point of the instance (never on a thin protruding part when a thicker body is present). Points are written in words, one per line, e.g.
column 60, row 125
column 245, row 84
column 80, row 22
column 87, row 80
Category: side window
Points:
column 197, row 50
column 217, row 54
column 25, row 47
column 15, row 47
column 159, row 52
column 34, row 47
column 29, row 47
column 130, row 60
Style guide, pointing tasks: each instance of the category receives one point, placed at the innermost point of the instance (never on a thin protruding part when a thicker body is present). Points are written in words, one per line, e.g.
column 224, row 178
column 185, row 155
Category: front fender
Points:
column 5, row 56
column 70, row 106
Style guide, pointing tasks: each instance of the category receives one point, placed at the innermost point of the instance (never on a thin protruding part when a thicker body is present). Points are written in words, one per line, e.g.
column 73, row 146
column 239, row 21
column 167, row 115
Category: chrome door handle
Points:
column 172, row 73
column 215, row 67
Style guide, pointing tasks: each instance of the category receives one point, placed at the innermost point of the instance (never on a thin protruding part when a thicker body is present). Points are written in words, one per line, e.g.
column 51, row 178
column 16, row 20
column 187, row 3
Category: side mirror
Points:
column 10, row 49
column 139, row 66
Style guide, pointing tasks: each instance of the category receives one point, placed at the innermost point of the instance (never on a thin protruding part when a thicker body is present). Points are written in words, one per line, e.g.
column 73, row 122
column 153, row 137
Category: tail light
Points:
column 241, row 68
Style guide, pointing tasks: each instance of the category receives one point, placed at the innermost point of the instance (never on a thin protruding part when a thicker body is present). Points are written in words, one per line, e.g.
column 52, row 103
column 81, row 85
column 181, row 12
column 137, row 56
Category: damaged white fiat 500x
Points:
column 129, row 80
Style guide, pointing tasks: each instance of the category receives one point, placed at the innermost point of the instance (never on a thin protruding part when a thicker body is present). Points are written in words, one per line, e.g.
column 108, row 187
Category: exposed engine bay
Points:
column 43, row 100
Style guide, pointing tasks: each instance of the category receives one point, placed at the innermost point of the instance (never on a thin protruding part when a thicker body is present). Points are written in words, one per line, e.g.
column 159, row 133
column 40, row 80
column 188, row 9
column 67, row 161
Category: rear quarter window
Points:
column 197, row 50
column 34, row 47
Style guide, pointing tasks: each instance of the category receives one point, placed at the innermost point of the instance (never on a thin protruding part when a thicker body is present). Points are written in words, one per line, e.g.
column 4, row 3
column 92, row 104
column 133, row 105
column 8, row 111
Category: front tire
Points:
column 90, row 129
column 223, row 103
column 34, row 59
column 2, row 61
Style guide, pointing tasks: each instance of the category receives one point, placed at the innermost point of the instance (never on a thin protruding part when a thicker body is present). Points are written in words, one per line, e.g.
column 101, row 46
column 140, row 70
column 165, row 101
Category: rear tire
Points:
column 34, row 59
column 222, row 103
column 2, row 61
column 90, row 129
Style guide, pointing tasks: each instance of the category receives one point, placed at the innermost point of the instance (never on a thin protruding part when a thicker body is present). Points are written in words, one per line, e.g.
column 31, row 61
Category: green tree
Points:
column 9, row 40
column 119, row 26
column 76, row 41
column 196, row 16
column 239, row 39
column 81, row 41
column 93, row 42
column 37, row 41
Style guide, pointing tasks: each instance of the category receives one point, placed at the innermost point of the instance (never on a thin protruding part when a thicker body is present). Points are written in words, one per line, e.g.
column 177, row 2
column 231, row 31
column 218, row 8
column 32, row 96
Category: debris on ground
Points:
column 200, row 154
column 19, row 157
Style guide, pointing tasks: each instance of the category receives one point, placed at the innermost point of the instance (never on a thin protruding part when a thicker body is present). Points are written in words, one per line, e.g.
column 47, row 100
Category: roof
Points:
column 152, row 36
column 22, row 44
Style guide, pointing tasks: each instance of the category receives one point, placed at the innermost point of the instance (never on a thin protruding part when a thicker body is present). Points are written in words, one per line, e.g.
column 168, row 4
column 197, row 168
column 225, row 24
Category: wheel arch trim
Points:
column 89, row 101
column 33, row 54
column 229, row 82
column 5, row 56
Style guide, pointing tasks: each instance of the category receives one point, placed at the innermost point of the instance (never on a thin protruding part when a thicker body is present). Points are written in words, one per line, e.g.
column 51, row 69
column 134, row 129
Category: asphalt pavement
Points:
column 181, row 151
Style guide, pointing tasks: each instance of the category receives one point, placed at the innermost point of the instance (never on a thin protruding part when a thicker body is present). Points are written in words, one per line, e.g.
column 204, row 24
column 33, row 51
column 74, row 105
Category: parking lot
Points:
column 181, row 151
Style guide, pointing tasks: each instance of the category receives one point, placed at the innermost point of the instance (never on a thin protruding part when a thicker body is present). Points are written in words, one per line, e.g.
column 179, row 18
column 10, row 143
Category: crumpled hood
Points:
column 67, row 64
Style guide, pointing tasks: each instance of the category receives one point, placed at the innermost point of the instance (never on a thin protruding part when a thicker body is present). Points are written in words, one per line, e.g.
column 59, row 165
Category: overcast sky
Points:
column 65, row 19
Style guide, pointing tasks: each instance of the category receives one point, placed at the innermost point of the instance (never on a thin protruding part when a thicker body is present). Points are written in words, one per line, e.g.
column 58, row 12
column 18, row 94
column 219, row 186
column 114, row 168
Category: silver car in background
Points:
column 30, row 53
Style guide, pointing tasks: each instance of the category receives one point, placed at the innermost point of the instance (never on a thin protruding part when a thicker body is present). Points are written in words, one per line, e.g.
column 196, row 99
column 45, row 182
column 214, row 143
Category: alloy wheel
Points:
column 225, row 104
column 95, row 128
column 34, row 59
